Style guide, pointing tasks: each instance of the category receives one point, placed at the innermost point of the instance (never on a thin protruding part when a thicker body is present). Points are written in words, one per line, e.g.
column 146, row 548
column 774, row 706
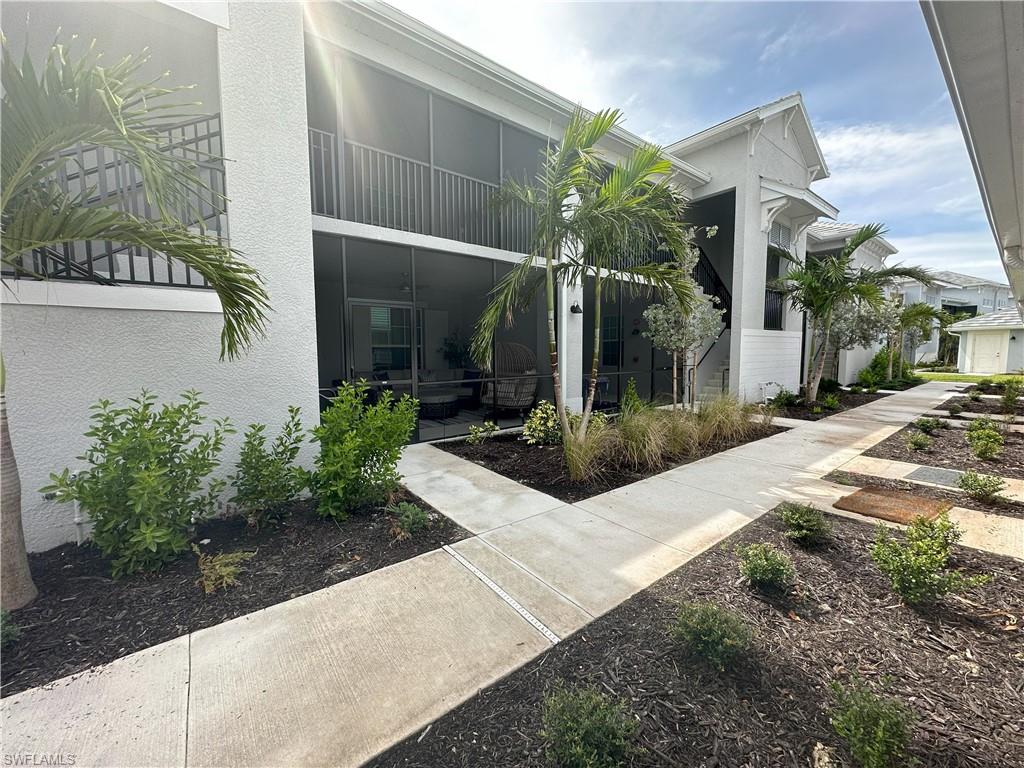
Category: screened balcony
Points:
column 398, row 155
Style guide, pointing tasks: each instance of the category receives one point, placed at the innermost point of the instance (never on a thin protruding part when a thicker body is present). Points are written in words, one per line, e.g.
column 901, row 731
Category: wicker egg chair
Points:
column 512, row 363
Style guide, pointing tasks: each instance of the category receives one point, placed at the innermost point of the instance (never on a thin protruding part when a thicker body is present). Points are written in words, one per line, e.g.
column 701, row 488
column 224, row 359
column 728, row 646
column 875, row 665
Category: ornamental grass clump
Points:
column 918, row 567
column 718, row 636
column 584, row 728
column 876, row 729
column 267, row 480
column 588, row 456
column 724, row 419
column 766, row 568
column 642, row 438
column 806, row 525
column 147, row 479
column 360, row 445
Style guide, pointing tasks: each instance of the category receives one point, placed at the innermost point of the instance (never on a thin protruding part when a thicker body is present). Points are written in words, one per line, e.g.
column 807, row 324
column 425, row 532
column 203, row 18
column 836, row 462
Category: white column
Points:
column 570, row 345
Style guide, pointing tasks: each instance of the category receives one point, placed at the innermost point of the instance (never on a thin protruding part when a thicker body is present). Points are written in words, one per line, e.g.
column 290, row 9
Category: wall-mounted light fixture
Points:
column 1013, row 337
column 576, row 309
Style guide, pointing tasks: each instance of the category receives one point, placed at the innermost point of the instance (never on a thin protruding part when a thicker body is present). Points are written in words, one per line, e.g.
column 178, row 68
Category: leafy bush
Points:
column 985, row 443
column 817, row 409
column 868, row 379
column 631, row 402
column 583, row 728
column 143, row 487
column 830, row 402
column 266, row 479
column 918, row 441
column 407, row 519
column 9, row 630
column 360, row 445
column 766, row 568
column 480, row 432
column 986, row 382
column 542, row 426
column 974, row 396
column 719, row 636
column 981, row 487
column 918, row 568
column 929, row 425
column 983, row 423
column 876, row 729
column 804, row 524
column 829, row 386
column 1011, row 391
column 876, row 372
column 856, row 389
column 219, row 571
column 785, row 398
column 955, row 409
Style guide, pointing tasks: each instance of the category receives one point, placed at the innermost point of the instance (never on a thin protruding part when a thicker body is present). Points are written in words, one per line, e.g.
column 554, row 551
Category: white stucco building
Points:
column 363, row 150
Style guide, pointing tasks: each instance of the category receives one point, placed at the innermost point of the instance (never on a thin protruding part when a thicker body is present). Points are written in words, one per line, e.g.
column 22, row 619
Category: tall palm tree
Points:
column 71, row 101
column 820, row 285
column 588, row 218
column 916, row 319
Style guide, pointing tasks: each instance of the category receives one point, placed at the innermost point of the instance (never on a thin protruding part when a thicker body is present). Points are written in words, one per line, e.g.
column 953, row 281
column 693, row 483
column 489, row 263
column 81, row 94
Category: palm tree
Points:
column 65, row 103
column 587, row 219
column 916, row 319
column 820, row 285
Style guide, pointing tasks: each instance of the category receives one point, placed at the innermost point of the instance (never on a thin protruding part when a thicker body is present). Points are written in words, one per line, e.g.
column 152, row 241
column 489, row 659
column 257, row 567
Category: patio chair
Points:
column 513, row 392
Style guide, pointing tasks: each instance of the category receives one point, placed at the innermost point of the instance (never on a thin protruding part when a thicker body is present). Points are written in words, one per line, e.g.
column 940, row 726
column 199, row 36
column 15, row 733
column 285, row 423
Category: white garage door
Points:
column 989, row 349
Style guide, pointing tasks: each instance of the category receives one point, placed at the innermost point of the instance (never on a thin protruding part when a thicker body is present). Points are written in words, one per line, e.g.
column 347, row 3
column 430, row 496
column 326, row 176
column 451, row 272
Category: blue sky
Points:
column 867, row 71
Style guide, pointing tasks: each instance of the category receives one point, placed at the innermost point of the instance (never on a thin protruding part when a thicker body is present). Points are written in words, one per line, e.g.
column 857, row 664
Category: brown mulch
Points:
column 896, row 506
column 958, row 666
column 986, row 405
column 950, row 449
column 83, row 617
column 542, row 467
column 847, row 400
column 1006, row 507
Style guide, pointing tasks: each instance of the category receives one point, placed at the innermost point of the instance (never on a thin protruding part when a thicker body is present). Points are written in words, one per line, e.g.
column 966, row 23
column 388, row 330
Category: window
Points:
column 986, row 302
column 609, row 340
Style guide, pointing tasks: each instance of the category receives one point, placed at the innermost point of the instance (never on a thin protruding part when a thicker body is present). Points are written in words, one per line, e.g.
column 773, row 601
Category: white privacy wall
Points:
column 61, row 359
column 768, row 357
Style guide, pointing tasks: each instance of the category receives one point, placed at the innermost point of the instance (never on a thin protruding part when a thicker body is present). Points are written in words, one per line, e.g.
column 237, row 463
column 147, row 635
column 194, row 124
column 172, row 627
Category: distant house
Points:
column 955, row 292
column 991, row 343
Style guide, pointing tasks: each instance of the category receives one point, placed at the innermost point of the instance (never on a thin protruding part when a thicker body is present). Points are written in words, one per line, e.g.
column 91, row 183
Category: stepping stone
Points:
column 892, row 505
column 936, row 475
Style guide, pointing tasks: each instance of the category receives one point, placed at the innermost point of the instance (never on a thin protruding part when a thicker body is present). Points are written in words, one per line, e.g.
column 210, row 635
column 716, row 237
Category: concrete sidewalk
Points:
column 333, row 677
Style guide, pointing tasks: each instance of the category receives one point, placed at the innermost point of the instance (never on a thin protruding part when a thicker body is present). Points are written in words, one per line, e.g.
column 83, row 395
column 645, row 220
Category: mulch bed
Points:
column 847, row 400
column 958, row 498
column 958, row 666
column 83, row 617
column 950, row 449
column 986, row 389
column 985, row 405
column 542, row 467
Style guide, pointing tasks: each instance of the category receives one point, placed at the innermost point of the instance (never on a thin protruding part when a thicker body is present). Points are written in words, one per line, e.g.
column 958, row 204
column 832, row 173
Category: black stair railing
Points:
column 707, row 277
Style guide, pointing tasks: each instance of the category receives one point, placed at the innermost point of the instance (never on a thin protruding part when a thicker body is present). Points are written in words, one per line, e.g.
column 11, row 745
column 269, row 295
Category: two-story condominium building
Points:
column 363, row 150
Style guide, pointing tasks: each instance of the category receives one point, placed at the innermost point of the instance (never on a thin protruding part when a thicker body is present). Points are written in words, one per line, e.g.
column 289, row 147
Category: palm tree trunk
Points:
column 693, row 380
column 549, row 285
column 819, row 368
column 892, row 351
column 16, row 586
column 592, row 385
column 902, row 341
column 806, row 375
column 675, row 380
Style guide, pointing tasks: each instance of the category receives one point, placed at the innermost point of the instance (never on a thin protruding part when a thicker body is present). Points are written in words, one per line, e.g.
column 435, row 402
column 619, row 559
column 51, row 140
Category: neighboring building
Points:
column 364, row 149
column 991, row 343
column 954, row 292
column 824, row 238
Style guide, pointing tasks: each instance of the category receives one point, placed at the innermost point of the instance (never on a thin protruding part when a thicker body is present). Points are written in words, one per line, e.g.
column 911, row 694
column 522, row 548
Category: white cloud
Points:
column 796, row 39
column 971, row 252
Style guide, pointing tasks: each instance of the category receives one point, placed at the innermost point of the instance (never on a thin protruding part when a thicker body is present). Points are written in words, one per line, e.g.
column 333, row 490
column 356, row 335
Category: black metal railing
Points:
column 707, row 277
column 774, row 309
column 101, row 177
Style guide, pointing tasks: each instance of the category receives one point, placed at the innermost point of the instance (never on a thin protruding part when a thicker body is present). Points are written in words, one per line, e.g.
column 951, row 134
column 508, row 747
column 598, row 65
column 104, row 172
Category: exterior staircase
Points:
column 716, row 383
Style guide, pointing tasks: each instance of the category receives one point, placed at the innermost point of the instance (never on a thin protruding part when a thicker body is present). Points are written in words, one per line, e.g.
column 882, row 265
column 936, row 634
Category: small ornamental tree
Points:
column 682, row 333
column 856, row 324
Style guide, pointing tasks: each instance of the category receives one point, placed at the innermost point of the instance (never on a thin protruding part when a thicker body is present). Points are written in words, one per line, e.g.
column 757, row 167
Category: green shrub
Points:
column 480, row 432
column 785, row 399
column 144, row 485
column 986, row 382
column 219, row 571
column 981, row 487
column 766, row 568
column 918, row 441
column 986, row 444
column 875, row 373
column 360, row 445
column 868, row 379
column 542, row 426
column 407, row 519
column 817, row 409
column 266, row 480
column 876, row 729
column 983, row 423
column 929, row 425
column 1011, row 391
column 918, row 567
column 804, row 524
column 718, row 636
column 583, row 728
column 830, row 402
column 9, row 630
column 631, row 402
column 871, row 390
column 829, row 386
column 856, row 389
column 955, row 409
column 974, row 396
